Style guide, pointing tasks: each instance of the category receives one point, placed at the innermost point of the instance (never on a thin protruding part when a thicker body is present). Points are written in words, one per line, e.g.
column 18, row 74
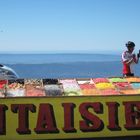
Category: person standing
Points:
column 129, row 58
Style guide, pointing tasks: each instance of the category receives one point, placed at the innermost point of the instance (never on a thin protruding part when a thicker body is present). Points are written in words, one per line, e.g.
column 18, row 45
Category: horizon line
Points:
column 62, row 52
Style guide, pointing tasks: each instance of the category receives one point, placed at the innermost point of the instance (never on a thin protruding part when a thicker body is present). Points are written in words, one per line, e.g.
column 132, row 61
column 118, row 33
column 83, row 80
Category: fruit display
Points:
column 53, row 90
column 88, row 89
column 117, row 79
column 70, row 87
column 133, row 79
column 135, row 85
column 100, row 80
column 31, row 90
column 104, row 86
column 87, row 86
column 2, row 87
column 15, row 88
column 122, row 85
column 34, row 87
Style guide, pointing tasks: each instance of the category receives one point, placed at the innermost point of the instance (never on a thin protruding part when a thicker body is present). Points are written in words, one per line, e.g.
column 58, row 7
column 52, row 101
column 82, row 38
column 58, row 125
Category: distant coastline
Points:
column 56, row 58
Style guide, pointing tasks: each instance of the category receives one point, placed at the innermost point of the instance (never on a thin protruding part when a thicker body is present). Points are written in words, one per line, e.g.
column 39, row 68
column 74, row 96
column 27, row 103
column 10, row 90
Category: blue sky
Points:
column 68, row 25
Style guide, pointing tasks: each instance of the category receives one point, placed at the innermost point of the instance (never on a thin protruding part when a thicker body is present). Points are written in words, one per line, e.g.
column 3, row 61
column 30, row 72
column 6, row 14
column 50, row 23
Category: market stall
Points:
column 69, row 108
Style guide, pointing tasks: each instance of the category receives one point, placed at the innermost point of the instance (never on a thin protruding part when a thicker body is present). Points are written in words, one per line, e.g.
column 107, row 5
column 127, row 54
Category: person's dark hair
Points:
column 130, row 44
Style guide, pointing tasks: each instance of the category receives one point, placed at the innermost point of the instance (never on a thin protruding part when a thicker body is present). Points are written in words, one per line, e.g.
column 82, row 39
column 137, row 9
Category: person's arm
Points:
column 125, row 59
column 128, row 62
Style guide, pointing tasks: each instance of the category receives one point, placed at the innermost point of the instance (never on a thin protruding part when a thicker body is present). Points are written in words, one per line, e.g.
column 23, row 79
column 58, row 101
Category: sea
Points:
column 65, row 65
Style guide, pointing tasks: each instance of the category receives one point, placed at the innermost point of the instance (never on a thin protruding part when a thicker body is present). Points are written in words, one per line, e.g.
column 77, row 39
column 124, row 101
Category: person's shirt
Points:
column 128, row 60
